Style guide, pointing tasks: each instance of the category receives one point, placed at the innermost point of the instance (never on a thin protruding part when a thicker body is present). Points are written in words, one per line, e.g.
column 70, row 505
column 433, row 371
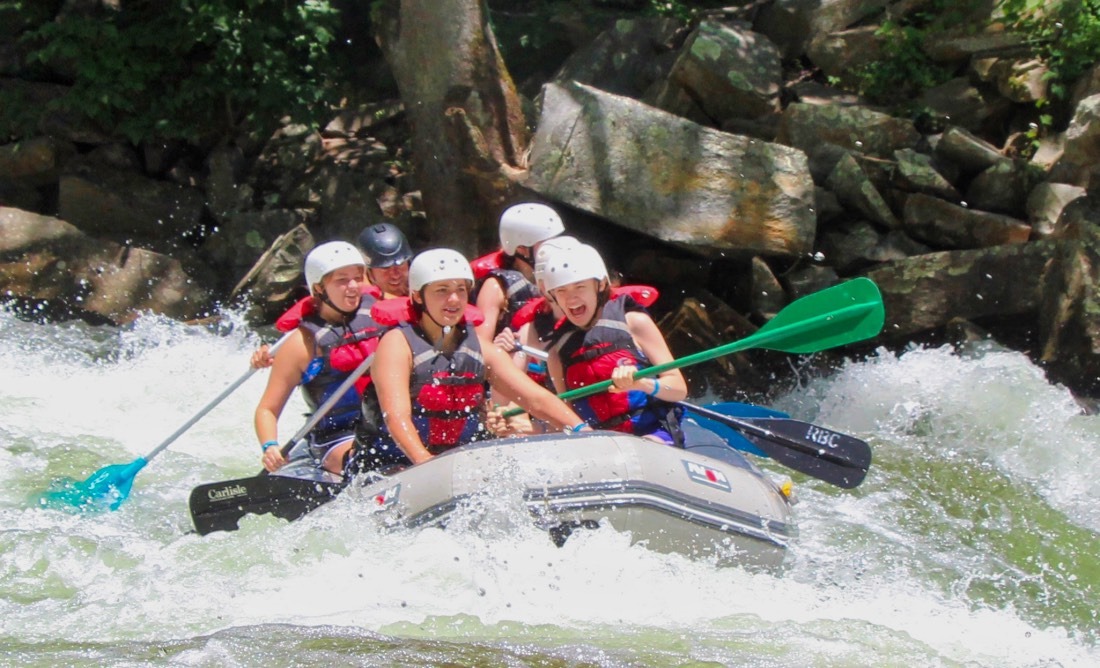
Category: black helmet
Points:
column 384, row 245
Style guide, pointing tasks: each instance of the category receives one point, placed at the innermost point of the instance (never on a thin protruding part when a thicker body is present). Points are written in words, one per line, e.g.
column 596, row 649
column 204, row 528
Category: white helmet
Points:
column 570, row 264
column 547, row 249
column 528, row 224
column 438, row 264
column 329, row 257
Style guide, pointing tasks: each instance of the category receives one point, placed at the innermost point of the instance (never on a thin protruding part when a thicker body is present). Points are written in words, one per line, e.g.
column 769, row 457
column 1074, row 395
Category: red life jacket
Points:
column 590, row 356
column 306, row 306
column 398, row 310
column 345, row 344
column 643, row 295
column 486, row 263
column 446, row 391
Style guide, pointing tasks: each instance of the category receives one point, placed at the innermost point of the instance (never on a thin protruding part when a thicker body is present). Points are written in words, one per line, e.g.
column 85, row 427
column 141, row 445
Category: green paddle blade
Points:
column 836, row 316
column 105, row 489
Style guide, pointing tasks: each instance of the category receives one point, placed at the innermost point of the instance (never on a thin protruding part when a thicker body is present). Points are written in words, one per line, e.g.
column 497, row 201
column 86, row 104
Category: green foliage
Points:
column 1066, row 35
column 903, row 71
column 190, row 69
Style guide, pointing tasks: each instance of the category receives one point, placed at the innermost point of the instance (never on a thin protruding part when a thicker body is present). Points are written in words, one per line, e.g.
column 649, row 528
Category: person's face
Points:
column 392, row 280
column 344, row 287
column 578, row 300
column 445, row 301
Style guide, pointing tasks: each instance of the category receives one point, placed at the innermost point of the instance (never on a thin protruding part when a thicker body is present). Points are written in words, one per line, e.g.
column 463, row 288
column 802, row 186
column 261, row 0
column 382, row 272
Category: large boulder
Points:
column 34, row 162
column 1070, row 313
column 791, row 24
column 123, row 205
column 65, row 273
column 927, row 292
column 729, row 72
column 629, row 58
column 949, row 225
column 669, row 178
column 858, row 129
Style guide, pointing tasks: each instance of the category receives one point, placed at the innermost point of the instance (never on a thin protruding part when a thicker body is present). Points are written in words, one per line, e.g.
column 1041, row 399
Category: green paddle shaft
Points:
column 842, row 314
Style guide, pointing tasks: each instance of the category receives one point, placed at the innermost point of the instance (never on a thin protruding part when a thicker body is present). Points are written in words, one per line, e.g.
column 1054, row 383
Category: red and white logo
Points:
column 706, row 475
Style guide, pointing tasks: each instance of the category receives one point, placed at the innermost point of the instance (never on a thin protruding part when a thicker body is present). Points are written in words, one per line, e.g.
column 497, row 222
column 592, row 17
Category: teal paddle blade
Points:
column 105, row 489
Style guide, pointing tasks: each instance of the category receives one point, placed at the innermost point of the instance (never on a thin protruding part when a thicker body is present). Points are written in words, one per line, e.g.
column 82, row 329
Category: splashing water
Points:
column 974, row 540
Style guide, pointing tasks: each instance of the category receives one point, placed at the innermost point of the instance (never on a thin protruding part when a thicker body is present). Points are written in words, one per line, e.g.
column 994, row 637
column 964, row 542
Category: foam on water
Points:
column 894, row 572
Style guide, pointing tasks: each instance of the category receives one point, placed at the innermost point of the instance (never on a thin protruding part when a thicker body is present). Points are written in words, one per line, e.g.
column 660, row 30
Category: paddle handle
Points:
column 213, row 402
column 325, row 407
column 533, row 352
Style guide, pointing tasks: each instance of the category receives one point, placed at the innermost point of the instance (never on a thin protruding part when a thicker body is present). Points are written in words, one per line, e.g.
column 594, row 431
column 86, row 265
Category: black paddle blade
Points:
column 836, row 458
column 816, row 451
column 219, row 506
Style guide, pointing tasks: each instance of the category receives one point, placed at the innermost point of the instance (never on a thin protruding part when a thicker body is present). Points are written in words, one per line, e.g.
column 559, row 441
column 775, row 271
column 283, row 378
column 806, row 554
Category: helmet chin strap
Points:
column 438, row 345
column 525, row 257
column 348, row 315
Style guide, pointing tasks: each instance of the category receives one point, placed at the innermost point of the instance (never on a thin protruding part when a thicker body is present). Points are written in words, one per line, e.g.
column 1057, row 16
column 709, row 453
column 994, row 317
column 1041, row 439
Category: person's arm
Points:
column 670, row 385
column 286, row 373
column 390, row 373
column 532, row 397
column 491, row 301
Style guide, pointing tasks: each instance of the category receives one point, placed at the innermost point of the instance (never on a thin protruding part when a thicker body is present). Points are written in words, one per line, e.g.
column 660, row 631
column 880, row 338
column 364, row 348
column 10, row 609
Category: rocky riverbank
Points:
column 689, row 155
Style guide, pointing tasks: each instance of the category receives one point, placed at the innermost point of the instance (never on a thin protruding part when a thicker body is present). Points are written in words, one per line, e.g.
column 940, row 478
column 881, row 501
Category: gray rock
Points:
column 841, row 54
column 791, row 24
column 35, row 162
column 125, row 205
column 1045, row 204
column 854, row 189
column 768, row 296
column 246, row 236
column 959, row 102
column 969, row 152
column 947, row 225
column 1082, row 141
column 276, row 279
column 630, row 58
column 857, row 129
column 917, row 172
column 1070, row 311
column 729, row 72
column 1002, row 188
column 668, row 178
column 49, row 261
column 927, row 292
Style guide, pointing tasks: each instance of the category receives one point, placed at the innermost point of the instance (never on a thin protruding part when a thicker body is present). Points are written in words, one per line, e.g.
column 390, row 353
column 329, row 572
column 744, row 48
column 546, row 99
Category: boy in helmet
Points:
column 387, row 253
column 506, row 287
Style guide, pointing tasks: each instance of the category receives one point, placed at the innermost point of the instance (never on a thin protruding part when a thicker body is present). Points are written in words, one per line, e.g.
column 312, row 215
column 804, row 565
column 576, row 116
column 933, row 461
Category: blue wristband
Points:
column 268, row 444
column 577, row 427
column 656, row 387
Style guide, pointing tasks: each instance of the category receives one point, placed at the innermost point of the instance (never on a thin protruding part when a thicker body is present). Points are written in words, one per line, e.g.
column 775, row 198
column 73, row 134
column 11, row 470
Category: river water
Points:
column 975, row 540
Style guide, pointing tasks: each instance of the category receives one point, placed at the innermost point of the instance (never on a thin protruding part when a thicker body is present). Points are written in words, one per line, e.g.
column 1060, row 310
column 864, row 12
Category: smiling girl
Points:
column 431, row 371
column 610, row 338
column 337, row 326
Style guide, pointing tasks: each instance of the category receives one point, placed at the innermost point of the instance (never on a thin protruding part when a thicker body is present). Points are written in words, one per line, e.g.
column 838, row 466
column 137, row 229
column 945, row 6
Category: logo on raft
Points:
column 706, row 475
column 226, row 493
column 387, row 498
